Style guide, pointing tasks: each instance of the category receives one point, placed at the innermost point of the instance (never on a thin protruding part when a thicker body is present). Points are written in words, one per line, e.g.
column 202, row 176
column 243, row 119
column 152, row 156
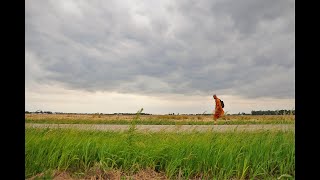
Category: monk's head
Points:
column 215, row 96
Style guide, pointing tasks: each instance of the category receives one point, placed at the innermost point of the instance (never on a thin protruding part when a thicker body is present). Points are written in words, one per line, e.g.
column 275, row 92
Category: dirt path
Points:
column 174, row 128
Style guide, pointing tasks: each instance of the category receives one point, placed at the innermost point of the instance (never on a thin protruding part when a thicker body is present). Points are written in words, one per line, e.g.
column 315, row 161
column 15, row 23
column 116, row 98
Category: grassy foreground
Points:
column 210, row 155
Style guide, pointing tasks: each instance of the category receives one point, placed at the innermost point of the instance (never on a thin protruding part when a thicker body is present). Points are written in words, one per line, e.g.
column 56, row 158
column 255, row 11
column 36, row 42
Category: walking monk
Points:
column 218, row 109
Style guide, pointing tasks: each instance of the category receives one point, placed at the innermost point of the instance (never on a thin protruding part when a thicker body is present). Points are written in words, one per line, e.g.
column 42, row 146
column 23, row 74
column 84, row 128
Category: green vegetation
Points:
column 240, row 155
column 277, row 112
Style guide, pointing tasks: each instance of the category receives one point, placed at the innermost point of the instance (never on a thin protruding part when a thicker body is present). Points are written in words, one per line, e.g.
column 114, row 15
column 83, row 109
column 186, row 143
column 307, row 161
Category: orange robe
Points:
column 218, row 110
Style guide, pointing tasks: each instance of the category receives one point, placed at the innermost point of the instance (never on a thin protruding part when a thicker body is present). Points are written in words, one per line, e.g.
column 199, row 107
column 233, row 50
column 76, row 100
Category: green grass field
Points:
column 188, row 155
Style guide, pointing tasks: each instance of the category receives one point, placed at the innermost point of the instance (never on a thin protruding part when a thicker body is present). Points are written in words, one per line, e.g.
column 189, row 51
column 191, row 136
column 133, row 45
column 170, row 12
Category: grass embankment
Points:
column 240, row 155
column 158, row 119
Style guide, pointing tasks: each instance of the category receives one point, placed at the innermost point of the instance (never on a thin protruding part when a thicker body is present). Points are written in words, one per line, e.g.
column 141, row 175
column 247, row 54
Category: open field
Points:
column 157, row 119
column 77, row 154
column 159, row 147
column 171, row 128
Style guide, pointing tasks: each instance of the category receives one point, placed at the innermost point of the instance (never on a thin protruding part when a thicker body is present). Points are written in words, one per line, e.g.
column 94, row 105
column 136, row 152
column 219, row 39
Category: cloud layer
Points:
column 244, row 48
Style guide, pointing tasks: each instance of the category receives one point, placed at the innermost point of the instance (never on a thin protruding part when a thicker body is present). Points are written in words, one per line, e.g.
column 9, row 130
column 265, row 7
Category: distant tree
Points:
column 39, row 111
column 276, row 112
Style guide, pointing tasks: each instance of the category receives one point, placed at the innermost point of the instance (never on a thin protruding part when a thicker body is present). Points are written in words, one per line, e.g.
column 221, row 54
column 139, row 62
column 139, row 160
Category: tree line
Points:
column 260, row 112
column 276, row 112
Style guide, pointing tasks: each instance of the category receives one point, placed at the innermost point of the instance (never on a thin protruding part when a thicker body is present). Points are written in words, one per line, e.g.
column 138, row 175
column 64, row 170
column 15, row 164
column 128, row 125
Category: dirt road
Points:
column 172, row 128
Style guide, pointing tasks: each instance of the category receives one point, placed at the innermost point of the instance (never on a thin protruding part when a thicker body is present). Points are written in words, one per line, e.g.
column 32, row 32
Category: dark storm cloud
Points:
column 186, row 47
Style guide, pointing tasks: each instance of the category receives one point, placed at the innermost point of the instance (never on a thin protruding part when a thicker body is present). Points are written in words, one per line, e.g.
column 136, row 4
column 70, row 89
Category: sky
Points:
column 166, row 56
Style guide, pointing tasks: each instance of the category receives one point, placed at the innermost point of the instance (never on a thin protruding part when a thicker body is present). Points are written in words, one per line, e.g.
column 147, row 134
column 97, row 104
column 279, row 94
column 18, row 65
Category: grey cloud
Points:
column 181, row 48
column 248, row 13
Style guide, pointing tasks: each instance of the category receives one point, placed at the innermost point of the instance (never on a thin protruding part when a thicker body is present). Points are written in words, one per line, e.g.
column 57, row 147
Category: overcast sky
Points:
column 166, row 56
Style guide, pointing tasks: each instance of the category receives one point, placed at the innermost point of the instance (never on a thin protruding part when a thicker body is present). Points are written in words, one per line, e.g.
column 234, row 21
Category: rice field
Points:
column 90, row 154
column 185, row 155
